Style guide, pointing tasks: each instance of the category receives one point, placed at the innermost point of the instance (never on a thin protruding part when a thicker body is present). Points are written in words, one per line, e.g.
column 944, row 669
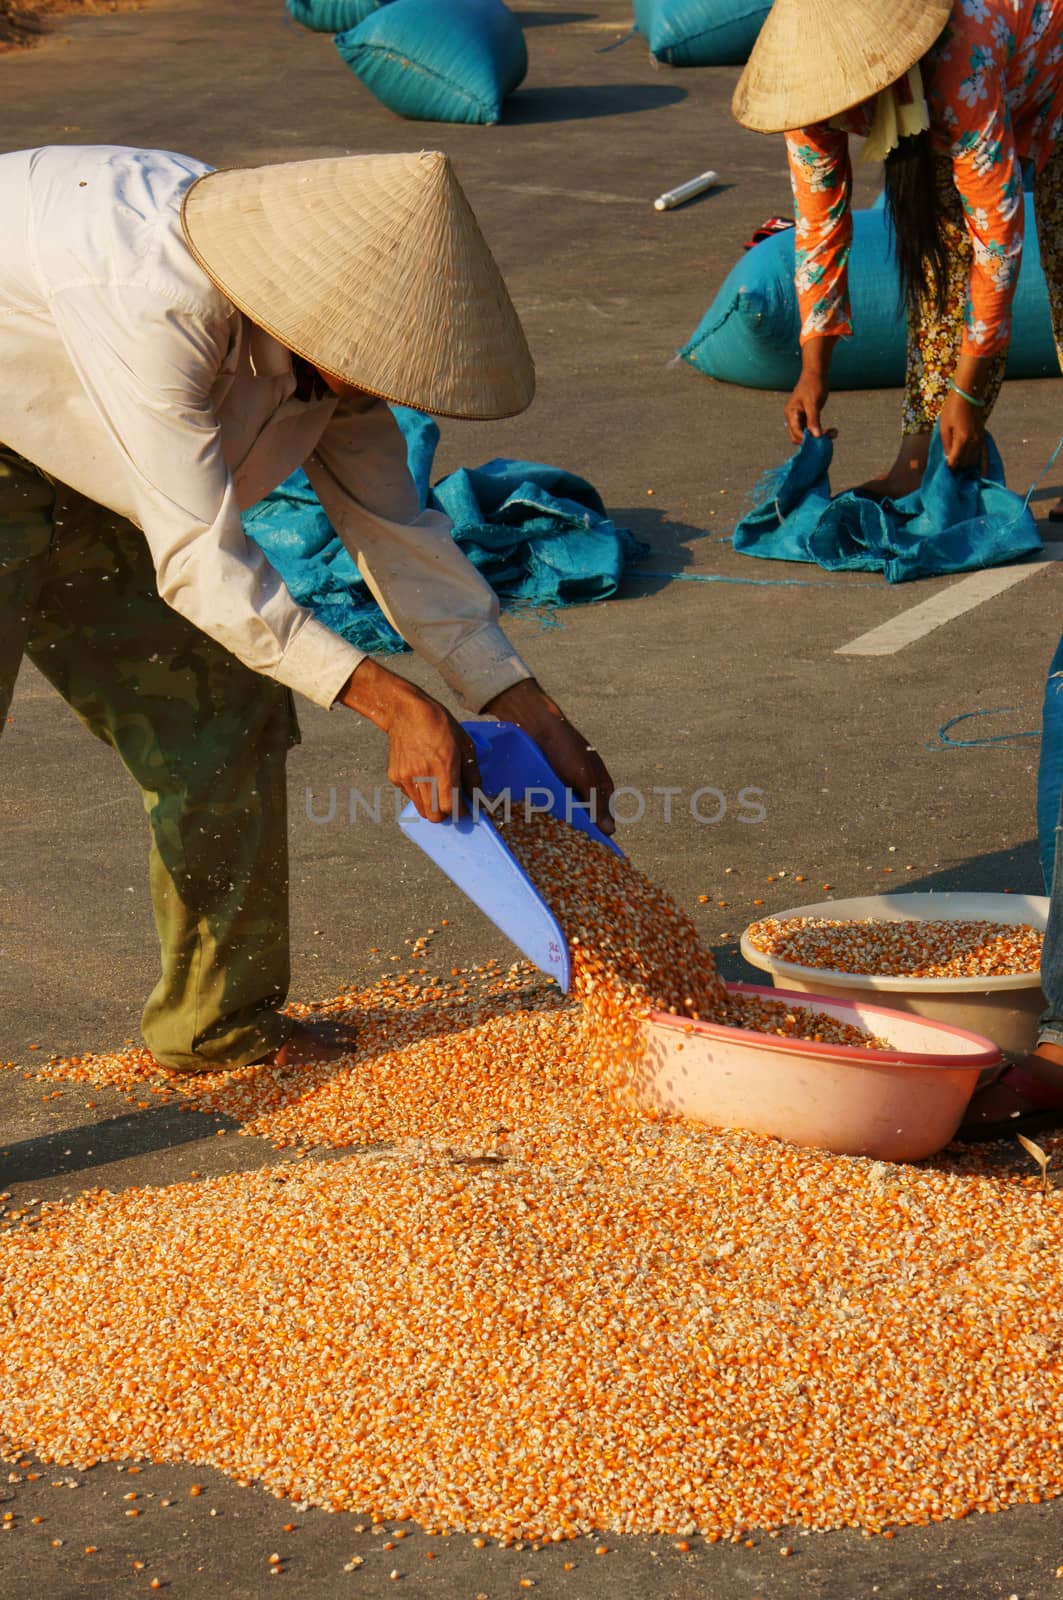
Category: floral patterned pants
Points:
column 934, row 337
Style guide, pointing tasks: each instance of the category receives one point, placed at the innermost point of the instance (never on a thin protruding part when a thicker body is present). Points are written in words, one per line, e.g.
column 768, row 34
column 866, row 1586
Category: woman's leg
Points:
column 1050, row 1027
column 934, row 338
column 1004, row 1101
column 1050, row 767
column 1048, row 209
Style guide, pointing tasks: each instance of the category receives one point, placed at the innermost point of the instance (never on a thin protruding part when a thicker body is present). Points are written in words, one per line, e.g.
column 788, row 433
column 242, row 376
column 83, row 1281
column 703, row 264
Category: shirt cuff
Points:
column 843, row 330
column 481, row 666
column 317, row 663
column 991, row 347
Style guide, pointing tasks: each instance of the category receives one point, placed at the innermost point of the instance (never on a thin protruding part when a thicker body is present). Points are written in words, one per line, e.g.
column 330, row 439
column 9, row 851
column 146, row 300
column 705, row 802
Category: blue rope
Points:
column 993, row 738
column 758, row 583
column 1051, row 463
column 604, row 49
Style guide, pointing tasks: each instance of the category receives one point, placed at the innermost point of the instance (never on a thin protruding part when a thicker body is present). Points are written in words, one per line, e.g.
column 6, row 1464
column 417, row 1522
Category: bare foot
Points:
column 324, row 1039
column 894, row 484
column 906, row 473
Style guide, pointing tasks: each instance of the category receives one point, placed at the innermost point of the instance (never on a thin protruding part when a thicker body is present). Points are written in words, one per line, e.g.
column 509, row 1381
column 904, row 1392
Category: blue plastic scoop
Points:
column 471, row 851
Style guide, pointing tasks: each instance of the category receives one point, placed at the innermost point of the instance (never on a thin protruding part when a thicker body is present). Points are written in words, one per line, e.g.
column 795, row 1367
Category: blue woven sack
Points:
column 749, row 335
column 539, row 535
column 700, row 33
column 332, row 16
column 439, row 60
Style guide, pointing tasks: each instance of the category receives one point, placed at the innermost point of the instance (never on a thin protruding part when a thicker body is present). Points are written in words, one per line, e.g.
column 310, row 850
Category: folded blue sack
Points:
column 700, row 33
column 453, row 62
column 750, row 334
column 539, row 535
column 332, row 16
column 956, row 521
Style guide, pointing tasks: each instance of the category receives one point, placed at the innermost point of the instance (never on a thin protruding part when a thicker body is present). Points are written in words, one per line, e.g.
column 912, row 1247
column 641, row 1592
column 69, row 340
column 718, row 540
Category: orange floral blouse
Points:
column 994, row 88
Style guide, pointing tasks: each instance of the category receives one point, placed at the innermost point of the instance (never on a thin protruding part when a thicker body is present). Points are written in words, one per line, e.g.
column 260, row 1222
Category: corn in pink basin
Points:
column 896, row 1105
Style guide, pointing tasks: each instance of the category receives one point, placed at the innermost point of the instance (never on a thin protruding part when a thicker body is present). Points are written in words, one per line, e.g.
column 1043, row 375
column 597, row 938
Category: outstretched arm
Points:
column 435, row 598
column 966, row 95
column 821, row 178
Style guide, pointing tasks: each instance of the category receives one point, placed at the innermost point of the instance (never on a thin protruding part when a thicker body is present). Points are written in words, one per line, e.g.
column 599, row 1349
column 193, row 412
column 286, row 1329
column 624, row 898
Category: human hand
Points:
column 430, row 756
column 577, row 763
column 432, row 760
column 804, row 408
column 962, row 428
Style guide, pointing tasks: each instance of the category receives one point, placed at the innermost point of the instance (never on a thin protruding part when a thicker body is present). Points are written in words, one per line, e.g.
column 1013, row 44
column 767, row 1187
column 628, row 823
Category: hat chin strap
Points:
column 900, row 112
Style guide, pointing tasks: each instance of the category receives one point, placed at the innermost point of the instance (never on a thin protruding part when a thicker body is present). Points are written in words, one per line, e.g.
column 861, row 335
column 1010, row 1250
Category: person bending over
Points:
column 174, row 342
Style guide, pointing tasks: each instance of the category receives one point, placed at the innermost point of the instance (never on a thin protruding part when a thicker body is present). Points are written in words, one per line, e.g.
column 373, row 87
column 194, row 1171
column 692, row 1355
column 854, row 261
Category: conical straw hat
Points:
column 373, row 268
column 817, row 58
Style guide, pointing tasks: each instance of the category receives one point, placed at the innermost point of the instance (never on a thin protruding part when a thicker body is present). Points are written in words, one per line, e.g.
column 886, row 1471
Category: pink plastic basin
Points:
column 899, row 1104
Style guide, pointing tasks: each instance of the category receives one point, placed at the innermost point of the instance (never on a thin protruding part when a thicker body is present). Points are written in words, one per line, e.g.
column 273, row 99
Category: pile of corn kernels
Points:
column 909, row 948
column 649, row 1328
column 524, row 1308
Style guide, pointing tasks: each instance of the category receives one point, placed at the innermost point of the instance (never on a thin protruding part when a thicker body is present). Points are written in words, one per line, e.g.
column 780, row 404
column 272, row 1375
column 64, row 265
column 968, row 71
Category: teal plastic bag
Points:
column 749, row 335
column 700, row 33
column 955, row 522
column 332, row 16
column 439, row 60
column 540, row 536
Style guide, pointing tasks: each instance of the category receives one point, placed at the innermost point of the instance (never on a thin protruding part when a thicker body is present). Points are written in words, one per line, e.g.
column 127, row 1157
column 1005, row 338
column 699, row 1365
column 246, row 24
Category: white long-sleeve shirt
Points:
column 126, row 374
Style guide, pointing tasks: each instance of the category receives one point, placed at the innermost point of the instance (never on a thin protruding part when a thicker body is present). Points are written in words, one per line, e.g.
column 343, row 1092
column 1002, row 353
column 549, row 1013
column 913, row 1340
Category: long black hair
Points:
column 914, row 211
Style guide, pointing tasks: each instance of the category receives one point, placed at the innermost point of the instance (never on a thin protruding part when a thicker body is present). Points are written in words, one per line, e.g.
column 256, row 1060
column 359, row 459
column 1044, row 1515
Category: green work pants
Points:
column 205, row 738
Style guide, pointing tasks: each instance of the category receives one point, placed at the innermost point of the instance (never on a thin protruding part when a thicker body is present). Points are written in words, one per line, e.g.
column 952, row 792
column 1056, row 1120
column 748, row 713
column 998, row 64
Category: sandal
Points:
column 1047, row 1111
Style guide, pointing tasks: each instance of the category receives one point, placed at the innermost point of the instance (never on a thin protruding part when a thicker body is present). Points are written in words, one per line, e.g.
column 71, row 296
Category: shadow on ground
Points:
column 99, row 1144
column 670, row 543
column 578, row 102
column 165, row 1127
column 551, row 19
column 1017, row 870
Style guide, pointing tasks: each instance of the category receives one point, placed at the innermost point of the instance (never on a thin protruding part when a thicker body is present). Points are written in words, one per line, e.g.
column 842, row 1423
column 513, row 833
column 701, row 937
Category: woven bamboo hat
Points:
column 817, row 58
column 373, row 268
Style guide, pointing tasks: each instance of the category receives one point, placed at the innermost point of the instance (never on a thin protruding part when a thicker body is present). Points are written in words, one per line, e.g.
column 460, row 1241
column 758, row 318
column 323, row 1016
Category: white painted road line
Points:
column 922, row 619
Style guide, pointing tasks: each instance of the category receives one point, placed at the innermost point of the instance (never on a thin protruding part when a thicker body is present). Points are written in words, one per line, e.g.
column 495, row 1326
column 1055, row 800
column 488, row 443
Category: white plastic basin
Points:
column 896, row 1105
column 1002, row 1009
